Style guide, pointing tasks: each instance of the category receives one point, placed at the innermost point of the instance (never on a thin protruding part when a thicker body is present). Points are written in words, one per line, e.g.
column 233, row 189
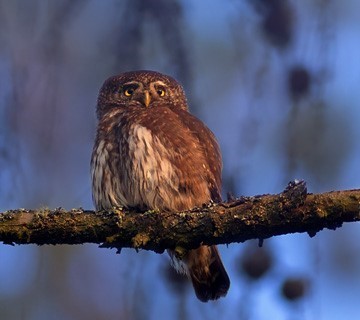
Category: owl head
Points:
column 140, row 89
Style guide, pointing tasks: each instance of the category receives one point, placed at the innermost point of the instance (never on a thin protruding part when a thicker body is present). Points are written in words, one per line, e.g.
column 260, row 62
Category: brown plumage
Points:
column 151, row 153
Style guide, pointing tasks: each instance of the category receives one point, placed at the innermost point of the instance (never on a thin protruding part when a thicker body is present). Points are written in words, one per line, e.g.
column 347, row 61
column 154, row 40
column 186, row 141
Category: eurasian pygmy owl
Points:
column 151, row 153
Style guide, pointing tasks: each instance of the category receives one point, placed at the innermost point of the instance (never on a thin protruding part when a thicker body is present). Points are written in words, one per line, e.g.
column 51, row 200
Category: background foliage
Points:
column 277, row 82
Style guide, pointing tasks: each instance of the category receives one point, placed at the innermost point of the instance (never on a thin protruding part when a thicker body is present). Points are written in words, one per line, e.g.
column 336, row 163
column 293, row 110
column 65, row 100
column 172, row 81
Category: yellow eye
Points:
column 129, row 92
column 160, row 92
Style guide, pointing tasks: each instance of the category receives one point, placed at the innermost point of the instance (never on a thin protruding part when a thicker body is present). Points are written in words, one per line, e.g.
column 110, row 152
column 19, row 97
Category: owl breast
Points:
column 158, row 168
column 155, row 173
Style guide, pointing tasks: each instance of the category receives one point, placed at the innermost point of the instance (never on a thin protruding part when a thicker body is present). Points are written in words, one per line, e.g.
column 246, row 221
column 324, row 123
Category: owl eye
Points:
column 129, row 92
column 160, row 92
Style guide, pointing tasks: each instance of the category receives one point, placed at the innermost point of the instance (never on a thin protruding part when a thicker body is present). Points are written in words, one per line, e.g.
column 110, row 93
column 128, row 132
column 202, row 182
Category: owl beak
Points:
column 147, row 98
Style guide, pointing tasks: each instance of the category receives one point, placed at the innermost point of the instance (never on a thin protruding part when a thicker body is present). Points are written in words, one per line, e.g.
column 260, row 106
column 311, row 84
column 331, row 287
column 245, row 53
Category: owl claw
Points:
column 180, row 252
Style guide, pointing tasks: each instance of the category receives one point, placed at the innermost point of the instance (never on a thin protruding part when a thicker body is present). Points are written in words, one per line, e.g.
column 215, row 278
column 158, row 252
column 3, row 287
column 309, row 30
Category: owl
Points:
column 151, row 153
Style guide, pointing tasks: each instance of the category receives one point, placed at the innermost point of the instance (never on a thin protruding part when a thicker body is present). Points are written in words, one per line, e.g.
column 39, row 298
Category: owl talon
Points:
column 180, row 252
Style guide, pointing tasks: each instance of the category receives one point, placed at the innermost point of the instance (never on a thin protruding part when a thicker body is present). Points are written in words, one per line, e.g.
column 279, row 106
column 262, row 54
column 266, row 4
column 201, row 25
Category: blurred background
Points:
column 278, row 83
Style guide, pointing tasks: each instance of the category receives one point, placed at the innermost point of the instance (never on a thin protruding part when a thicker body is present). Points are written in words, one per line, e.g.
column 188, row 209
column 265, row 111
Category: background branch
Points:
column 245, row 218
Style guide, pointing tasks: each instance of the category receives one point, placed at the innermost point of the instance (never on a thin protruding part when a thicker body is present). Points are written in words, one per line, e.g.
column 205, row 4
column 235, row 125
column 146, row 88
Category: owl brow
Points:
column 159, row 83
column 132, row 85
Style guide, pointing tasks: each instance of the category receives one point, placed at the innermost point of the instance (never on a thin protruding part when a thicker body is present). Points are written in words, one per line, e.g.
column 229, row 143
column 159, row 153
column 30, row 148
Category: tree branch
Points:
column 245, row 218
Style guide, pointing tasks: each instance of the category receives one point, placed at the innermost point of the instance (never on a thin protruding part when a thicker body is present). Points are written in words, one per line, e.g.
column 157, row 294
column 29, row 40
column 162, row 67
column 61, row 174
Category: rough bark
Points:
column 245, row 218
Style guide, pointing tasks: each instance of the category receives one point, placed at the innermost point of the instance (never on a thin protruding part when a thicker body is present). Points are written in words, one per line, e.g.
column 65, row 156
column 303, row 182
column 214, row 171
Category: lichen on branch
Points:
column 241, row 219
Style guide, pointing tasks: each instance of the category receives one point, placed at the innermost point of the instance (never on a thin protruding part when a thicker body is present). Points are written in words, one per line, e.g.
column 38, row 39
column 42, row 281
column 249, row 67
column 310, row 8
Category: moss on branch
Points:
column 245, row 218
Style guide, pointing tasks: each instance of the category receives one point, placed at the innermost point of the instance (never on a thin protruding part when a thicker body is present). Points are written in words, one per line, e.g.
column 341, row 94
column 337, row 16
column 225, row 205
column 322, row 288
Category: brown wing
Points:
column 189, row 137
column 210, row 147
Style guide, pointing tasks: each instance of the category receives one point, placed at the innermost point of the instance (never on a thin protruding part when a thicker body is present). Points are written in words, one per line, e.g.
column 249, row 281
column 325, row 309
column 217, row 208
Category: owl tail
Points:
column 207, row 273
